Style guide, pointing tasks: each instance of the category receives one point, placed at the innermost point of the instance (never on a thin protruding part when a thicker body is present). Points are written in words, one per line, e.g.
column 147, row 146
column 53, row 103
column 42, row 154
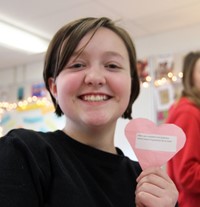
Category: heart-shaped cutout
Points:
column 154, row 145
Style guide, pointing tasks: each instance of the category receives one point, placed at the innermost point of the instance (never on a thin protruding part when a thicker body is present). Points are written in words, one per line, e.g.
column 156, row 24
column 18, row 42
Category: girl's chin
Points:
column 96, row 121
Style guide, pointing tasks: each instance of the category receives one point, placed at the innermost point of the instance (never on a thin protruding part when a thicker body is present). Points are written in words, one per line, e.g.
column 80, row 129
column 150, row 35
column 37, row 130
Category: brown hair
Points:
column 188, row 69
column 66, row 40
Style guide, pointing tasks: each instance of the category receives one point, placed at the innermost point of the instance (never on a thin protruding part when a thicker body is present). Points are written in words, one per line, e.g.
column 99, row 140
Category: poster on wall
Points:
column 20, row 93
column 164, row 66
column 164, row 98
column 38, row 90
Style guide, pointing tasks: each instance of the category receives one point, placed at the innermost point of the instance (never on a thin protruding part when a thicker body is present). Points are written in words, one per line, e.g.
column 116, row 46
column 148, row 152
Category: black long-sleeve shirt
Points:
column 51, row 169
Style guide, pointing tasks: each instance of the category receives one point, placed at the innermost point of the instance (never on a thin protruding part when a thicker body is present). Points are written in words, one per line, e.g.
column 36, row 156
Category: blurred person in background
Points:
column 184, row 167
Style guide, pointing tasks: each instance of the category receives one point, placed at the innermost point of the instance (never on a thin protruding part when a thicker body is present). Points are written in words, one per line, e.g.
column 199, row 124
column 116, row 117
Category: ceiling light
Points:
column 14, row 37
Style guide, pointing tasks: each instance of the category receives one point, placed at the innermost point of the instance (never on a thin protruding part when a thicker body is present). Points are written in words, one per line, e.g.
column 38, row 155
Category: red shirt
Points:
column 184, row 167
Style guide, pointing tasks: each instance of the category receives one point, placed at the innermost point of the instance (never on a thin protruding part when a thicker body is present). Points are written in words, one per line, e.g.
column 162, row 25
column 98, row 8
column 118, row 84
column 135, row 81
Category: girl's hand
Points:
column 155, row 188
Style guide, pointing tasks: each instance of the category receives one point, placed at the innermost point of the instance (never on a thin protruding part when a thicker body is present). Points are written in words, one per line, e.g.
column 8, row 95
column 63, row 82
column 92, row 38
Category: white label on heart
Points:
column 156, row 142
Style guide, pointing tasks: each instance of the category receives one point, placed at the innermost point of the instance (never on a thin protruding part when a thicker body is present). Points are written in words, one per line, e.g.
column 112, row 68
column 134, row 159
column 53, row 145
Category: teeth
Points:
column 95, row 98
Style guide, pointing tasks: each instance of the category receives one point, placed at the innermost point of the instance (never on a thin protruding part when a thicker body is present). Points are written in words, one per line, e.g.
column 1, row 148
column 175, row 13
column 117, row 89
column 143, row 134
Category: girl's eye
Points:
column 112, row 66
column 77, row 65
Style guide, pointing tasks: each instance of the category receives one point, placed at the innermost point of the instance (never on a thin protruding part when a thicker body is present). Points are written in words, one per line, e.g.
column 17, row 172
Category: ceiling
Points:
column 141, row 18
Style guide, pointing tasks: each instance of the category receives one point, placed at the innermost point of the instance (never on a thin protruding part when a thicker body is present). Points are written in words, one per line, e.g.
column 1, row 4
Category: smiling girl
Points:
column 90, row 72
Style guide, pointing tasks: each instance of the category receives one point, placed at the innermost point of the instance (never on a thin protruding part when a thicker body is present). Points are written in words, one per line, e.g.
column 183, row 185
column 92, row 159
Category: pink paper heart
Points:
column 154, row 145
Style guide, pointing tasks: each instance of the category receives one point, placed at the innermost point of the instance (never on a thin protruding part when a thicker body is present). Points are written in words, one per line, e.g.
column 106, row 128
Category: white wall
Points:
column 178, row 41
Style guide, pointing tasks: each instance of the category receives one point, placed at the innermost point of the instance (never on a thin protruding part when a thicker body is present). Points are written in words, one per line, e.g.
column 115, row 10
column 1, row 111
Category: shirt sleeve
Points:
column 18, row 172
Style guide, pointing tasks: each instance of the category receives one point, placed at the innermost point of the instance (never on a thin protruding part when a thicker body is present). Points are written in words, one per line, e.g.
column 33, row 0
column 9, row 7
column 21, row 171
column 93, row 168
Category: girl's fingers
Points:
column 156, row 171
column 155, row 188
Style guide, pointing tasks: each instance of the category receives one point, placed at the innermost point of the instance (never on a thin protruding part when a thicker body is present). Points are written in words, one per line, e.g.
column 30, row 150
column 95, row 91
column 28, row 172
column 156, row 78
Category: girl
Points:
column 90, row 72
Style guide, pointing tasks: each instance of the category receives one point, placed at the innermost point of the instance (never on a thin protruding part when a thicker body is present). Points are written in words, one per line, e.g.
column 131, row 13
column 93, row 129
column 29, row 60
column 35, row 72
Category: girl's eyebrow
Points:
column 114, row 54
column 83, row 53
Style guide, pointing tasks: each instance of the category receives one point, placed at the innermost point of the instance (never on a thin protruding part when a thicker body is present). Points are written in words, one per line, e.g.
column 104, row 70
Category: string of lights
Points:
column 158, row 82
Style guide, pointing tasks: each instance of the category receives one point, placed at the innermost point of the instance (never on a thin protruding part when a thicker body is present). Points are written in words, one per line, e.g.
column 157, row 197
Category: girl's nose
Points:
column 95, row 77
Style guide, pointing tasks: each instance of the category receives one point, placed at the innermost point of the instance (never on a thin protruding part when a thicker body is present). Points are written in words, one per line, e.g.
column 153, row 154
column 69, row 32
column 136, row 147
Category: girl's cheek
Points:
column 124, row 84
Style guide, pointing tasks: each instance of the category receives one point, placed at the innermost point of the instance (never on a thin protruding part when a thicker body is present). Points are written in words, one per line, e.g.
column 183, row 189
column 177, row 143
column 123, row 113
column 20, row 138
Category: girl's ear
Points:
column 52, row 87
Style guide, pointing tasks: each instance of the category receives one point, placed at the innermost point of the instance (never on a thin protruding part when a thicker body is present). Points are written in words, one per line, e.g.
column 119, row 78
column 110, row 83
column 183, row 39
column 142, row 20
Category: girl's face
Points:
column 94, row 88
column 196, row 75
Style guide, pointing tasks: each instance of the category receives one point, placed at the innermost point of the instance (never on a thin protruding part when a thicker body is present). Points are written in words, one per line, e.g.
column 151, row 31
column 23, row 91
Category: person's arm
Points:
column 155, row 188
column 188, row 169
column 16, row 181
